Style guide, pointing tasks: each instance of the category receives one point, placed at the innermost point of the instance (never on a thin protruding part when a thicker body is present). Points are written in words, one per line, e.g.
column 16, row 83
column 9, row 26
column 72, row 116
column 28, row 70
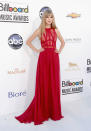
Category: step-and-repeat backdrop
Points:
column 18, row 62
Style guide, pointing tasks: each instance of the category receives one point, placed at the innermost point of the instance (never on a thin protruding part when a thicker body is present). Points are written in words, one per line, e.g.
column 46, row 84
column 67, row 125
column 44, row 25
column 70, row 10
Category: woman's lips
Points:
column 48, row 21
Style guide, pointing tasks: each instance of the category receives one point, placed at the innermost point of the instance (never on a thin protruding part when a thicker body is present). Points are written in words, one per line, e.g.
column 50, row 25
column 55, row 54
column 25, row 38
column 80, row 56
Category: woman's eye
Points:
column 49, row 17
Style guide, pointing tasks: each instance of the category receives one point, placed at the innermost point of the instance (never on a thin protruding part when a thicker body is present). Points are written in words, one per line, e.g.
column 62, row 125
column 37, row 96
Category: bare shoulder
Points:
column 59, row 35
column 34, row 35
column 37, row 31
column 57, row 30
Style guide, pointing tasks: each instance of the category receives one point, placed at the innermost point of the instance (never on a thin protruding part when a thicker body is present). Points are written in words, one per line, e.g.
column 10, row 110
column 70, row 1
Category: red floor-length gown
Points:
column 46, row 102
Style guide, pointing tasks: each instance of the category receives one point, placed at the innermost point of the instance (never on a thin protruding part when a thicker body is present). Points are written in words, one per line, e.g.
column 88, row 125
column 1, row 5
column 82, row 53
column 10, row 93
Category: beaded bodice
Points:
column 48, row 39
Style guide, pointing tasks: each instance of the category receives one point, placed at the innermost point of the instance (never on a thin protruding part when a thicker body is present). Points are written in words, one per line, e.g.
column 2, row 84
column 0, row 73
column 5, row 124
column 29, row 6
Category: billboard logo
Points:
column 8, row 8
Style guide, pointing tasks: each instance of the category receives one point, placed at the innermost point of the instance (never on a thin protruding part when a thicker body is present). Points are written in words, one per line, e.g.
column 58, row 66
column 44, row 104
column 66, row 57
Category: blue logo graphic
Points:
column 15, row 41
column 14, row 94
column 43, row 10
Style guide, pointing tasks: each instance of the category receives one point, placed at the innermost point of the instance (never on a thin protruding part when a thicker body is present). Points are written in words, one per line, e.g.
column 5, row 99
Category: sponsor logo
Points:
column 16, row 71
column 14, row 12
column 72, row 67
column 89, row 65
column 73, row 40
column 7, row 8
column 15, row 41
column 69, row 87
column 16, row 94
column 42, row 10
column 73, row 15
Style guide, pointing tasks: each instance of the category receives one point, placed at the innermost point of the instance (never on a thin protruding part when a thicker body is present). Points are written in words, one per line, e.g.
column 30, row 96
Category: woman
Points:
column 46, row 102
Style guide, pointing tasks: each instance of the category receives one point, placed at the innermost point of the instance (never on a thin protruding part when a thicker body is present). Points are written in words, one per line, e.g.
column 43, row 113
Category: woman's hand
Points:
column 40, row 50
column 57, row 51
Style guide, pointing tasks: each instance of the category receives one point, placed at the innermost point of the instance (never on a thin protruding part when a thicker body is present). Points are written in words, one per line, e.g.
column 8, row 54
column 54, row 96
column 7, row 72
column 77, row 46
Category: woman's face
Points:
column 49, row 19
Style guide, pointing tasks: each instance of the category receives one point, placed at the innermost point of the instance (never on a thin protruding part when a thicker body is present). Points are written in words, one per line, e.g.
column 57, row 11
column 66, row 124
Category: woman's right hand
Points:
column 40, row 50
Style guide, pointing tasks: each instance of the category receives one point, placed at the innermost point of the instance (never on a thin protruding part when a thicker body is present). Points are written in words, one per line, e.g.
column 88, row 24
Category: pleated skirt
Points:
column 46, row 102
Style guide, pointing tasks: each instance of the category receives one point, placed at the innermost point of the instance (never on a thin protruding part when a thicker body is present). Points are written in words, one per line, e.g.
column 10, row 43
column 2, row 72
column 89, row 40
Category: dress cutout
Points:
column 47, row 101
column 49, row 38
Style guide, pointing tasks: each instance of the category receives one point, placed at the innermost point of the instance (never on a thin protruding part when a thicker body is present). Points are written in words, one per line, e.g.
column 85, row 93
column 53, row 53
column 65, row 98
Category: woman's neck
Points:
column 47, row 26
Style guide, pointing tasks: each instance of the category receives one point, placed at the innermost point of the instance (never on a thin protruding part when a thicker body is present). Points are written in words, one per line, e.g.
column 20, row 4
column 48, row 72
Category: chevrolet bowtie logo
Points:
column 73, row 15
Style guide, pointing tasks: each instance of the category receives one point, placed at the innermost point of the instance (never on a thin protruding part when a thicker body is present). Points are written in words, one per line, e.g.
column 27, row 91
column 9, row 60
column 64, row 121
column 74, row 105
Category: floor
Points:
column 77, row 117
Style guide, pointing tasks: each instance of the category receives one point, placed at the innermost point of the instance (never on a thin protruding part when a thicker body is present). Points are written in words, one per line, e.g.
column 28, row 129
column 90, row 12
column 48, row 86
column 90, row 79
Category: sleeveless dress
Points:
column 47, row 101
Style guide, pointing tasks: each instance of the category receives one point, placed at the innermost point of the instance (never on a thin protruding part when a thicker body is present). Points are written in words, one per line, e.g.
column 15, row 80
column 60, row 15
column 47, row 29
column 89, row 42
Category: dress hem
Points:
column 41, row 122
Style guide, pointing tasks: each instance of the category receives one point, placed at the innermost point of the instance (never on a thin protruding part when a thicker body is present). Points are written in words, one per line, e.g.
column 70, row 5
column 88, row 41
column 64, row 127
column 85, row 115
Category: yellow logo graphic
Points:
column 16, row 71
column 72, row 66
column 73, row 15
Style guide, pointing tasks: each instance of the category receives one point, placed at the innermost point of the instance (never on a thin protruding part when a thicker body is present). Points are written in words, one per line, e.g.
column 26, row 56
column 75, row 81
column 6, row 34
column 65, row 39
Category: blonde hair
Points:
column 43, row 25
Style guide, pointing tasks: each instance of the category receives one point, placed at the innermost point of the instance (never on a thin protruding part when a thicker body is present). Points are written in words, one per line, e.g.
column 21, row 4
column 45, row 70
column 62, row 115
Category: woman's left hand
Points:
column 57, row 51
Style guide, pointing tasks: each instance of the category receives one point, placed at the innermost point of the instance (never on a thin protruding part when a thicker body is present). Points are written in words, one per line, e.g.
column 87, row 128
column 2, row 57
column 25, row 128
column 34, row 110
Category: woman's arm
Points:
column 32, row 37
column 61, row 40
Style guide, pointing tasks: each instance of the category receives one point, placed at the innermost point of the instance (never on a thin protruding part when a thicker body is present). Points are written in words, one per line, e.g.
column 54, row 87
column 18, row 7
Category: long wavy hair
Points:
column 43, row 24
